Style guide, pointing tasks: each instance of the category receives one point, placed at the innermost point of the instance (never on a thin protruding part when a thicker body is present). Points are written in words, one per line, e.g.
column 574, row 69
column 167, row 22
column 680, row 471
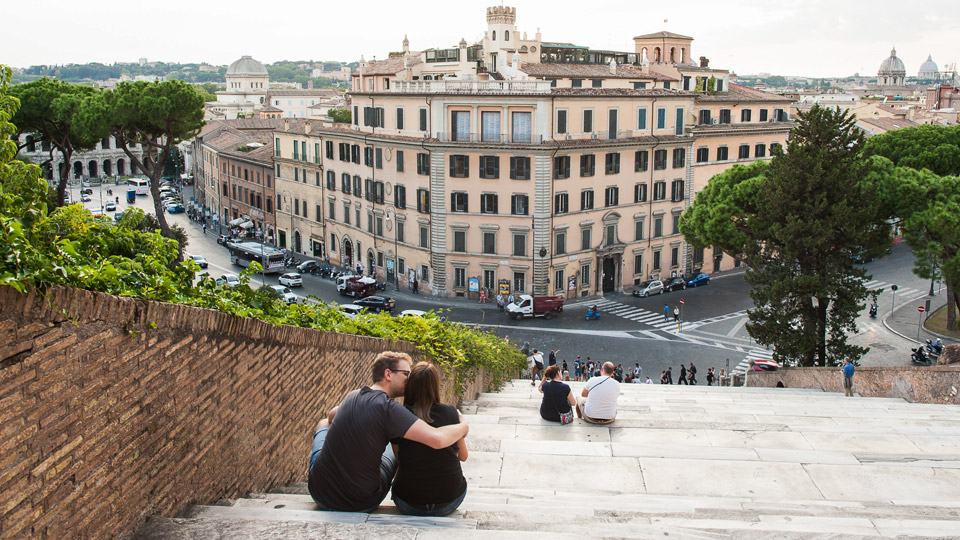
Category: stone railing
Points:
column 455, row 86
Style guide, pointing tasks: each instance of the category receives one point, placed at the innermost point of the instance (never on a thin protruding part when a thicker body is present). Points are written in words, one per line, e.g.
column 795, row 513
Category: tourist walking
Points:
column 666, row 313
column 682, row 379
column 847, row 371
column 692, row 378
column 500, row 302
column 669, row 375
column 676, row 314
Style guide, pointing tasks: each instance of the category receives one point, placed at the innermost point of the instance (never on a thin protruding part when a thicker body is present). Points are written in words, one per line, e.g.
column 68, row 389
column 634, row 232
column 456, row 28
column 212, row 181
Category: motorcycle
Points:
column 920, row 358
column 592, row 313
column 325, row 271
column 934, row 348
column 381, row 285
column 873, row 310
column 110, row 192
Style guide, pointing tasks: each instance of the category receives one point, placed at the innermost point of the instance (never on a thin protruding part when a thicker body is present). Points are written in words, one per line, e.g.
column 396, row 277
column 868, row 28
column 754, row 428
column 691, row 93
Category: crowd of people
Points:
column 583, row 370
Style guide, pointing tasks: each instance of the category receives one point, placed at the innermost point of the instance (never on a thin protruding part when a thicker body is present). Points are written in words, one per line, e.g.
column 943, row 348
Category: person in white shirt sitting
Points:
column 598, row 404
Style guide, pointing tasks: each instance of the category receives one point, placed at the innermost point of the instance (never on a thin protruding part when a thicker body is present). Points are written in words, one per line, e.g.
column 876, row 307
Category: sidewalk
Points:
column 905, row 319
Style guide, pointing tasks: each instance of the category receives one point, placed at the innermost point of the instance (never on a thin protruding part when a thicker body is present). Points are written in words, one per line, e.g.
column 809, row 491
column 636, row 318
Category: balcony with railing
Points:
column 489, row 138
column 461, row 86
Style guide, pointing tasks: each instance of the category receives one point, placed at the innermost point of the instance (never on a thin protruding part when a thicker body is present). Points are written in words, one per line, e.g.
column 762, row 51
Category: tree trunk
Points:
column 953, row 303
column 64, row 175
column 822, row 331
column 153, row 168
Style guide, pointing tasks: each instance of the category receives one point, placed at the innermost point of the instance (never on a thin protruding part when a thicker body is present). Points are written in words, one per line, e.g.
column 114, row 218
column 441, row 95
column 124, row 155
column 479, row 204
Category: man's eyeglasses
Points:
column 404, row 371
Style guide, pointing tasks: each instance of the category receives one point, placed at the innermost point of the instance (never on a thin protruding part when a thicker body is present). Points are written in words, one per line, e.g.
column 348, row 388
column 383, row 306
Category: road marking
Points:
column 754, row 354
column 737, row 327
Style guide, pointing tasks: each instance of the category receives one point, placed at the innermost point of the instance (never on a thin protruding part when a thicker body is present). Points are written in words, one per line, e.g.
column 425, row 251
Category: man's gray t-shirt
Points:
column 346, row 474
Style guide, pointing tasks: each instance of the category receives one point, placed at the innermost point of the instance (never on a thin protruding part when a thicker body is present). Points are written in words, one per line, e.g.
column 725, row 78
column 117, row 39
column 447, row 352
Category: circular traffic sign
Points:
column 681, row 301
column 920, row 309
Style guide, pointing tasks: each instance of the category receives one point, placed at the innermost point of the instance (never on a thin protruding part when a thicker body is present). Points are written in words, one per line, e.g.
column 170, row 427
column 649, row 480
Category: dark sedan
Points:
column 377, row 303
column 675, row 284
column 694, row 280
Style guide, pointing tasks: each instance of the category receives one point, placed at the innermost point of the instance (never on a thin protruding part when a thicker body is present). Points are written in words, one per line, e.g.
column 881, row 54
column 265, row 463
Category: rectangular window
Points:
column 723, row 153
column 745, row 115
column 640, row 193
column 587, row 121
column 773, row 146
column 588, row 163
column 423, row 163
column 657, row 227
column 296, row 174
column 676, row 191
column 642, row 118
column 332, row 210
column 585, row 240
column 488, row 203
column 576, row 83
column 703, row 155
column 610, row 235
column 613, row 163
column 368, row 189
column 401, row 237
column 586, row 199
column 656, row 260
column 399, row 118
column 356, row 186
column 423, row 120
column 378, row 191
column 459, row 166
column 423, row 201
column 561, row 203
column 522, row 127
column 561, row 167
column 659, row 190
column 676, row 224
column 639, row 85
column 296, row 207
column 697, row 255
column 678, row 126
column 704, row 116
column 763, row 115
column 296, row 150
column 560, row 243
column 724, row 116
column 519, row 204
column 641, row 160
column 674, row 256
column 638, row 264
column 490, row 243
column 460, row 242
column 378, row 158
column 519, row 245
column 612, row 128
column 423, row 236
column 596, row 83
column 659, row 160
column 328, row 146
column 562, row 121
column 460, row 126
column 679, row 158
column 612, row 196
column 316, row 152
column 356, row 115
column 355, row 153
column 458, row 202
column 519, row 168
column 378, row 221
column 399, row 197
column 744, row 152
column 638, row 229
column 345, row 184
column 368, row 156
column 346, row 213
column 344, row 150
column 399, row 154
column 760, row 150
column 585, row 275
column 318, row 212
column 490, row 126
column 276, row 146
column 489, row 166
column 661, row 118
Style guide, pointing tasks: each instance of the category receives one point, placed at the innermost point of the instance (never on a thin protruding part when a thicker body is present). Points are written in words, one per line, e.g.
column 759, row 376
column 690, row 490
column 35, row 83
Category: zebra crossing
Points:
column 753, row 354
column 902, row 293
column 635, row 314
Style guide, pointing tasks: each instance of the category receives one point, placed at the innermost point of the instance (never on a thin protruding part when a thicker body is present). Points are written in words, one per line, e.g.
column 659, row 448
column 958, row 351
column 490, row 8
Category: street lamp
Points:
column 396, row 250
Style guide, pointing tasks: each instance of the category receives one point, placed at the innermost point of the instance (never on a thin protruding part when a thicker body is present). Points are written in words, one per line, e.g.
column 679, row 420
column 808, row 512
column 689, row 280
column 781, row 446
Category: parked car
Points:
column 647, row 288
column 230, row 280
column 699, row 278
column 291, row 279
column 675, row 284
column 412, row 313
column 223, row 239
column 284, row 293
column 175, row 208
column 377, row 303
column 110, row 207
column 86, row 191
column 307, row 267
column 351, row 310
column 85, row 198
column 201, row 262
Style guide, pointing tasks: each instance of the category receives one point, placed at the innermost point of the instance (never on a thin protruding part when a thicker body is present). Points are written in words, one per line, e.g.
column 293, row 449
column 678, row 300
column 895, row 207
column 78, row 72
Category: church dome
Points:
column 893, row 65
column 246, row 67
column 929, row 69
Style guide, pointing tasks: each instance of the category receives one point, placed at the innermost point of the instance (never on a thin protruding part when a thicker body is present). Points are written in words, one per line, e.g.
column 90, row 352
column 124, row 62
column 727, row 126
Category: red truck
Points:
column 535, row 306
column 356, row 286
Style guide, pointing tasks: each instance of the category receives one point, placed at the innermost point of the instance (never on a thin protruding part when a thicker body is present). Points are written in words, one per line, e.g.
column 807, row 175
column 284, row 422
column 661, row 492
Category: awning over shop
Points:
column 246, row 225
column 235, row 222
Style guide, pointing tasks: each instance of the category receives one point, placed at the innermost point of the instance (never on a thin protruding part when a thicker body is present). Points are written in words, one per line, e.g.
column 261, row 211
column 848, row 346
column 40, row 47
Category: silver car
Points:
column 648, row 288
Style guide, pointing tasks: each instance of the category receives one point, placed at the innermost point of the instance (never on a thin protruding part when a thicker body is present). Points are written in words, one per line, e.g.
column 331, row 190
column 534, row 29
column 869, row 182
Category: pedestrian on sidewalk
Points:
column 692, row 379
column 669, row 375
column 500, row 302
column 535, row 361
column 683, row 375
column 847, row 371
column 663, row 377
column 666, row 313
column 483, row 296
column 676, row 313
column 710, row 377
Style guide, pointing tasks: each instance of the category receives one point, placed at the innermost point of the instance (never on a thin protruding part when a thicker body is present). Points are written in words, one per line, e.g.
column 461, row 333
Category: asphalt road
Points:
column 630, row 330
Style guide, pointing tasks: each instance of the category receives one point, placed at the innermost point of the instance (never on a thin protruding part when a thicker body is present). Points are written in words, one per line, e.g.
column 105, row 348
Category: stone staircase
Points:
column 687, row 462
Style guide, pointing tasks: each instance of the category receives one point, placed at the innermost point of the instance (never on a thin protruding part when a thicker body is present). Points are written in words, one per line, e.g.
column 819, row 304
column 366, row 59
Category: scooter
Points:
column 592, row 313
column 324, row 271
column 920, row 358
column 934, row 348
column 873, row 310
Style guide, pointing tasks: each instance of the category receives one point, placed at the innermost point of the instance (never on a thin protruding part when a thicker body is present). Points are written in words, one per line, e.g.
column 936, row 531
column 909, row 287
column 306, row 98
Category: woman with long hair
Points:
column 557, row 397
column 429, row 482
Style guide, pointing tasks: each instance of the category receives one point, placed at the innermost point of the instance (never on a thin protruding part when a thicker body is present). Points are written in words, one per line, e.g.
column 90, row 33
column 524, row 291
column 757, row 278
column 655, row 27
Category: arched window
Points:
column 494, row 35
column 506, row 35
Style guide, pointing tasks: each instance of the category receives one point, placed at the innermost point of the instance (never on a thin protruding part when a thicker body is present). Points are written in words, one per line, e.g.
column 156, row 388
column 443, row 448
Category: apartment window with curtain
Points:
column 676, row 191
column 522, row 129
column 586, row 199
column 519, row 204
column 423, row 163
column 490, row 126
column 640, row 193
column 460, row 126
column 458, row 202
column 745, row 115
column 328, row 145
column 561, row 203
column 488, row 203
column 345, row 184
column 399, row 197
column 612, row 196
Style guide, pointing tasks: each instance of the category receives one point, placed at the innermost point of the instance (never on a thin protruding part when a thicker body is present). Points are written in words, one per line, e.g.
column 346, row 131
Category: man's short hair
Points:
column 607, row 368
column 388, row 360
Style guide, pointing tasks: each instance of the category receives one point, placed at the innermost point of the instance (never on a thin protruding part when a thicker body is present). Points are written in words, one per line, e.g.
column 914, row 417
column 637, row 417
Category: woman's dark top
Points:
column 425, row 475
column 554, row 400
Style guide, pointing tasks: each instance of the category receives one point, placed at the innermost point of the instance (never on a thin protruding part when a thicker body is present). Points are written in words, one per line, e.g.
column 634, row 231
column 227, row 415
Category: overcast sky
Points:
column 818, row 38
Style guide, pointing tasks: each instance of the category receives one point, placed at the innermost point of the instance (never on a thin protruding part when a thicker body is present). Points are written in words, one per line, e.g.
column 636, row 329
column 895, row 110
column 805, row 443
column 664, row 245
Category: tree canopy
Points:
column 922, row 147
column 799, row 222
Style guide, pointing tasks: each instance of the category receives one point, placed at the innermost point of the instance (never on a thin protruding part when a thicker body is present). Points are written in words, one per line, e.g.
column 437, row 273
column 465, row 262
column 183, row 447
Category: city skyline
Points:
column 744, row 36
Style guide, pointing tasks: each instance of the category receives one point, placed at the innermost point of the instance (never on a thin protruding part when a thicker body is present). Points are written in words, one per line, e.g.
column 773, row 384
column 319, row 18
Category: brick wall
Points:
column 106, row 419
column 916, row 384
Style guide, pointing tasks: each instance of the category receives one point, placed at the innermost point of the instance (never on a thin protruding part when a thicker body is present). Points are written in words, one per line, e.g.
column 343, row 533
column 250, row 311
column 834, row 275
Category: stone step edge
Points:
column 281, row 514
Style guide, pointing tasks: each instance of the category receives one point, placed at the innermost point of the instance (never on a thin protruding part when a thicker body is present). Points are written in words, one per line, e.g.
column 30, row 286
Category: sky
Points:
column 815, row 38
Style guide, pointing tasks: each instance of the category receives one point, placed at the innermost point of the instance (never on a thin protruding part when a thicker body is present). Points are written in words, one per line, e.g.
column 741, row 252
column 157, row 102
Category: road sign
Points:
column 893, row 288
column 920, row 309
column 681, row 301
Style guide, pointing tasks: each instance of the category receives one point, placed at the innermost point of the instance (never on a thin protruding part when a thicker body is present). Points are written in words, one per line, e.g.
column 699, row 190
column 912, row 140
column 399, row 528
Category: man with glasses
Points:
column 352, row 464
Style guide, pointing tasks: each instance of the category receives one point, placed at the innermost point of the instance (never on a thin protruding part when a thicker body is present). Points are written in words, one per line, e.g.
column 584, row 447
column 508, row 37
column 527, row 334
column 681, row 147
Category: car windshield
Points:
column 646, row 284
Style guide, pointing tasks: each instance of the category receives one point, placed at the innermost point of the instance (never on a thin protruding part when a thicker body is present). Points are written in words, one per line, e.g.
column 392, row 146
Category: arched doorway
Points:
column 107, row 169
column 121, row 169
column 297, row 242
column 347, row 250
column 92, row 169
column 77, row 169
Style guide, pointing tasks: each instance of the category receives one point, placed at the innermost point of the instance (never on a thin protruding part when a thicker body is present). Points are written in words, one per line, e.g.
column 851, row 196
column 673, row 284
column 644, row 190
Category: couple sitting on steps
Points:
column 370, row 442
column 597, row 403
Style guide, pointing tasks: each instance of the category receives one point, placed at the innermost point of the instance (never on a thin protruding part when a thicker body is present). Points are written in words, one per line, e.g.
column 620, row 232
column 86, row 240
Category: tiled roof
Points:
column 619, row 92
column 887, row 124
column 271, row 108
column 742, row 93
column 390, row 66
column 590, row 71
column 319, row 92
column 661, row 35
column 230, row 144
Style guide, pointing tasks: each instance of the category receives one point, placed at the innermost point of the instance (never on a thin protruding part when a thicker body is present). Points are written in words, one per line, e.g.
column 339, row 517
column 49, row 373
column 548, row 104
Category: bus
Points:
column 140, row 185
column 270, row 258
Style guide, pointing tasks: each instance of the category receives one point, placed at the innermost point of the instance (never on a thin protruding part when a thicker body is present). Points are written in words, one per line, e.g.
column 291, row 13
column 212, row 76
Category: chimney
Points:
column 704, row 62
column 307, row 127
column 286, row 124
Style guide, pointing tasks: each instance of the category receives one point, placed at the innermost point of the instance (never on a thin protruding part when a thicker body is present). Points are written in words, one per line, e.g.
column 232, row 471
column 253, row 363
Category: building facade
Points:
column 105, row 160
